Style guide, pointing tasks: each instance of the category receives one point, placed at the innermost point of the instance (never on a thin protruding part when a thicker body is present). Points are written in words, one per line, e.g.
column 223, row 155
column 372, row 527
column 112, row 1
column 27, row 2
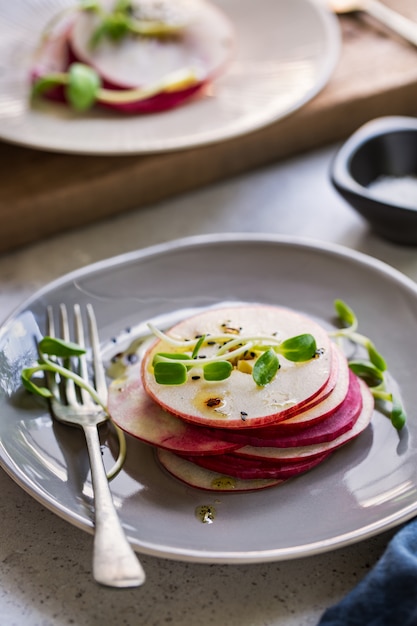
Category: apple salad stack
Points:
column 242, row 398
column 132, row 56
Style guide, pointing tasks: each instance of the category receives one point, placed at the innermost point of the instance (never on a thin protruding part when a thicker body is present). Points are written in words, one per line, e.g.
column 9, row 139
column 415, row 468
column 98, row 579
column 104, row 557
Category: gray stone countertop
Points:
column 45, row 574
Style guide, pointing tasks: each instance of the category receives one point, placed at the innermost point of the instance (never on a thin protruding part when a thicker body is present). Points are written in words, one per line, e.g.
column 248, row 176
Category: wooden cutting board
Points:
column 43, row 193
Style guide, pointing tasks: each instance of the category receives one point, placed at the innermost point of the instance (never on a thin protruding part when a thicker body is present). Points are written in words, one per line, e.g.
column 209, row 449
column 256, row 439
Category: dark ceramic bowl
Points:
column 376, row 173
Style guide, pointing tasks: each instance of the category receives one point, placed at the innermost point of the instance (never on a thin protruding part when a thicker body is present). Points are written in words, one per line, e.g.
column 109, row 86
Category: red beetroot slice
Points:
column 246, row 468
column 327, row 429
column 295, row 385
column 201, row 478
column 136, row 414
column 283, row 455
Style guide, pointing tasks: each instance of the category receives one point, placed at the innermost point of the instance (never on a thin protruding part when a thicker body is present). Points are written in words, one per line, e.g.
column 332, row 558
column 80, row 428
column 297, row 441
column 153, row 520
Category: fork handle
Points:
column 395, row 21
column 114, row 562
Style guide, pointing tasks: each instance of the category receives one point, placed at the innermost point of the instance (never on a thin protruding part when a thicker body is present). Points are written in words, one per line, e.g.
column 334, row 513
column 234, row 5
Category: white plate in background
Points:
column 286, row 52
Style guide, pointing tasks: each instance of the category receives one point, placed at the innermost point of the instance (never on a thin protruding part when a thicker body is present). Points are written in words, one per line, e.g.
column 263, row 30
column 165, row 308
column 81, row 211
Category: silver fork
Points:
column 114, row 562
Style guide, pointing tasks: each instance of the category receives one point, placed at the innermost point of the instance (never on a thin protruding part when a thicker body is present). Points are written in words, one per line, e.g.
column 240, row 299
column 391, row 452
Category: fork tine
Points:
column 80, row 339
column 50, row 330
column 71, row 396
column 99, row 373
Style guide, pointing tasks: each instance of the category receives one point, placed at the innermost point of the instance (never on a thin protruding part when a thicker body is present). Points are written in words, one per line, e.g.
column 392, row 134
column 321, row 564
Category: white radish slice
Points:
column 205, row 46
column 294, row 386
column 205, row 479
column 135, row 412
column 281, row 455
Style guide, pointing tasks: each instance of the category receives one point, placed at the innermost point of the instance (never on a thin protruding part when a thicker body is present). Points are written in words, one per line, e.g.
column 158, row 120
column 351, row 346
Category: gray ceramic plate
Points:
column 367, row 487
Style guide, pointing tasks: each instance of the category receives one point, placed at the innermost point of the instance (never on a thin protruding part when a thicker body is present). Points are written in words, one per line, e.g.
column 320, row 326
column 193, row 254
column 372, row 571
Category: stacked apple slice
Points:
column 234, row 434
column 152, row 67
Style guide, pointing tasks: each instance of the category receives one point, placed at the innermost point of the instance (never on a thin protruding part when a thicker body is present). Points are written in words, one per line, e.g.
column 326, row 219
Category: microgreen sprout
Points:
column 121, row 22
column 82, row 87
column 171, row 368
column 50, row 350
column 373, row 369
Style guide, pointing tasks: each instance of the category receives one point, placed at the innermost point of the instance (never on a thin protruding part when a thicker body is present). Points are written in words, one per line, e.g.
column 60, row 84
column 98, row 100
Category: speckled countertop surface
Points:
column 45, row 574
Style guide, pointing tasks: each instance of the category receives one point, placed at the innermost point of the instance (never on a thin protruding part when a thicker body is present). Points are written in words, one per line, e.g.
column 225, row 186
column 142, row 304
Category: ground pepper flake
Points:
column 212, row 402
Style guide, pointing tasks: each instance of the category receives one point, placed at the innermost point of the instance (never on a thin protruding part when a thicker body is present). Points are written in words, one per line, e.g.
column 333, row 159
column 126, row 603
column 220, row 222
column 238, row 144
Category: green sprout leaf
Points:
column 170, row 372
column 29, row 385
column 170, row 356
column 198, row 346
column 46, row 83
column 372, row 371
column 82, row 87
column 265, row 368
column 125, row 6
column 367, row 371
column 90, row 5
column 113, row 27
column 398, row 415
column 376, row 358
column 219, row 370
column 60, row 348
column 345, row 313
column 299, row 348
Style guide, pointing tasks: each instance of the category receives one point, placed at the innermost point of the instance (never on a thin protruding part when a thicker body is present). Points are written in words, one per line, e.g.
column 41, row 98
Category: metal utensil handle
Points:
column 396, row 22
column 114, row 561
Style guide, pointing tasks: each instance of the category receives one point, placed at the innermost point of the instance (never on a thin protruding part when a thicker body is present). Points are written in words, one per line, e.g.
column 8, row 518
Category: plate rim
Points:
column 165, row 247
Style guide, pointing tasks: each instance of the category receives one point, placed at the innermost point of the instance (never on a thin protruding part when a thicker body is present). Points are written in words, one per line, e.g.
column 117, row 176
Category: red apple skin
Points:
column 297, row 453
column 200, row 478
column 330, row 426
column 246, row 468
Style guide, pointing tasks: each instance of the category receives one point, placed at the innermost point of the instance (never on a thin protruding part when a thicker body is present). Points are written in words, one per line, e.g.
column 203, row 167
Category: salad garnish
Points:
column 82, row 86
column 171, row 368
column 49, row 350
column 373, row 370
column 156, row 19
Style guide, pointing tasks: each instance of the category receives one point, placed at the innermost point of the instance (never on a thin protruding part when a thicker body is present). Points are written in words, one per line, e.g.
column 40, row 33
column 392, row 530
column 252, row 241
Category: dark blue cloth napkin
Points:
column 387, row 596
